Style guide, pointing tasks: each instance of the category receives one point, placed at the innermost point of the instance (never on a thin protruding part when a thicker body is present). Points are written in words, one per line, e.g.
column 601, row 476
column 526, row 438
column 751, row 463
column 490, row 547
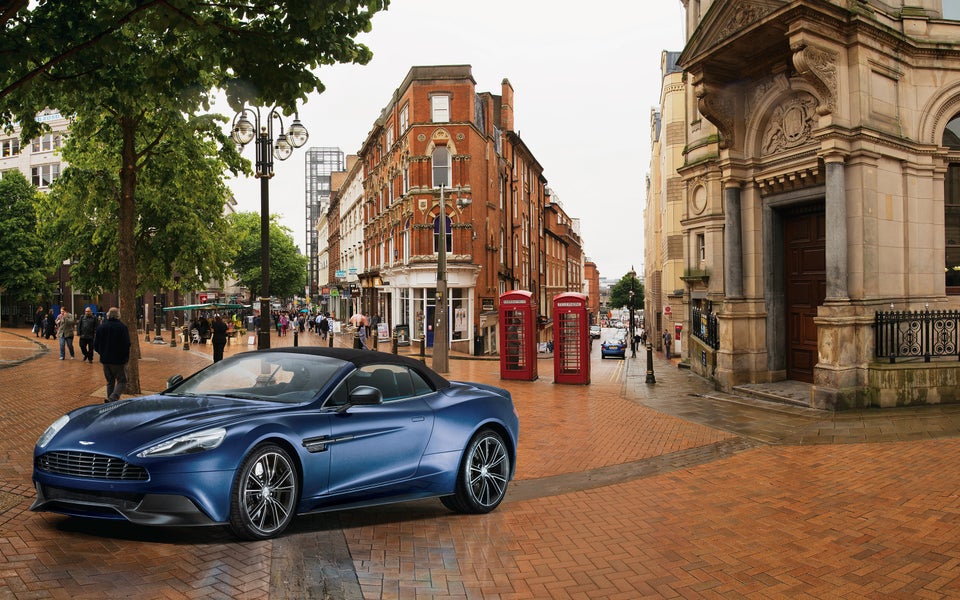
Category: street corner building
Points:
column 803, row 210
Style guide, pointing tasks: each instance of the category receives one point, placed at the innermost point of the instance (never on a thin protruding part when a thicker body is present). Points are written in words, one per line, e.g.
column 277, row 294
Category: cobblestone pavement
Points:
column 624, row 490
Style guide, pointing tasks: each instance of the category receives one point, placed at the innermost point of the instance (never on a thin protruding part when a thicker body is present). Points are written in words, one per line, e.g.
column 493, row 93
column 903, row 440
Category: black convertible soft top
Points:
column 365, row 357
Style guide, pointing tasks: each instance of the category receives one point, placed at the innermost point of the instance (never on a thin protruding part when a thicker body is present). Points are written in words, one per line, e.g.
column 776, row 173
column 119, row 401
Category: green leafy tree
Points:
column 180, row 229
column 620, row 292
column 22, row 253
column 288, row 268
column 145, row 60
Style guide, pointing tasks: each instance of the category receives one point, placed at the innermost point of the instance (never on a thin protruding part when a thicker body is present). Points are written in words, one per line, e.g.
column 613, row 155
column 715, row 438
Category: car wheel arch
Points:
column 291, row 450
column 504, row 434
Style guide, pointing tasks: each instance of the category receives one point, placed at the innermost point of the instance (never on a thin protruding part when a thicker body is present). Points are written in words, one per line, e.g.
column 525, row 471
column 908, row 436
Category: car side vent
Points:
column 93, row 466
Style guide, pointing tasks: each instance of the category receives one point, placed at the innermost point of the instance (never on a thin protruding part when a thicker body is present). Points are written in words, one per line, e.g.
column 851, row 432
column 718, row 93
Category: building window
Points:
column 436, row 235
column 442, row 173
column 701, row 248
column 389, row 136
column 440, row 108
column 46, row 143
column 404, row 118
column 951, row 211
column 9, row 147
column 44, row 175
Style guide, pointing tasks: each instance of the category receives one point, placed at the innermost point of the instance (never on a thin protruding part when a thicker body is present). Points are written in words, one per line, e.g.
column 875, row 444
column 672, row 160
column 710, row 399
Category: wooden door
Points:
column 806, row 287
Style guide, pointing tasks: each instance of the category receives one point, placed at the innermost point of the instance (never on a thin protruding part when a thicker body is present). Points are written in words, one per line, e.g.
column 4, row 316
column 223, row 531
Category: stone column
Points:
column 836, row 217
column 732, row 242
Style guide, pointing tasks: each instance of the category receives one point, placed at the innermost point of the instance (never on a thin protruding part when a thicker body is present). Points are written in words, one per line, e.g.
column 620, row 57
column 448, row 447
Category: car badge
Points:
column 85, row 443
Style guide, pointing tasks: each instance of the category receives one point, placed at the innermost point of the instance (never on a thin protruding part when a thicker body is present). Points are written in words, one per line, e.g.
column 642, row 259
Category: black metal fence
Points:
column 918, row 334
column 704, row 326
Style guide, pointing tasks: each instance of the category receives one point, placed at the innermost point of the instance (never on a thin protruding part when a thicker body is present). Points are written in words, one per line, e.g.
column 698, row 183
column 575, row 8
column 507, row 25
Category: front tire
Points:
column 264, row 494
column 483, row 475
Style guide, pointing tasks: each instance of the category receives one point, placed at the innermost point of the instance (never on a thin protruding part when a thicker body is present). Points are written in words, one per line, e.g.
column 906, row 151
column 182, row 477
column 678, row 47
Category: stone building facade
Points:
column 820, row 189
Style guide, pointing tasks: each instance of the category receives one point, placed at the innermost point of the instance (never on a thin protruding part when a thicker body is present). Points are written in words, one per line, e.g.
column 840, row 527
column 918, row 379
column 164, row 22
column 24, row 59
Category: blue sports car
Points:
column 259, row 437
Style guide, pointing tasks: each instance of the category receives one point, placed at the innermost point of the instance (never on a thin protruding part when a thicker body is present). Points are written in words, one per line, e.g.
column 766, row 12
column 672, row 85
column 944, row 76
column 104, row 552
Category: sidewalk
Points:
column 624, row 489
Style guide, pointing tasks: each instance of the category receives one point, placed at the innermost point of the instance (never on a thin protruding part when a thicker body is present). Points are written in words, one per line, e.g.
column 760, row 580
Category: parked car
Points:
column 615, row 345
column 259, row 437
column 595, row 331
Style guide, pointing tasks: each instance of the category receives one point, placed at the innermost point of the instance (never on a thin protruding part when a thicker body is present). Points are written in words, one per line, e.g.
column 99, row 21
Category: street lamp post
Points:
column 157, row 316
column 243, row 133
column 633, row 345
column 441, row 339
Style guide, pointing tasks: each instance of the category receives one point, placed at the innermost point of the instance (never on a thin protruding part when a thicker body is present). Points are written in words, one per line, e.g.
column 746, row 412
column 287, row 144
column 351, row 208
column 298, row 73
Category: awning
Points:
column 208, row 306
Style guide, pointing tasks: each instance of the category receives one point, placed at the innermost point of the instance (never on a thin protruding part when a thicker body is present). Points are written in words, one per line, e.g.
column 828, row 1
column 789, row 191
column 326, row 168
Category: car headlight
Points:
column 53, row 430
column 207, row 439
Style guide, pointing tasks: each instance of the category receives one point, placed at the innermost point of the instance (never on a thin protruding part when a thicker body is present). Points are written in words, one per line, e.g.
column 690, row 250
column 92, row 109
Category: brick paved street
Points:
column 624, row 490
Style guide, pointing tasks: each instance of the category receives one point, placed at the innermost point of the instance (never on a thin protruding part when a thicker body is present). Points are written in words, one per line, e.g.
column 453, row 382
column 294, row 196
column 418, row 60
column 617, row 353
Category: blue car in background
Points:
column 255, row 439
column 615, row 345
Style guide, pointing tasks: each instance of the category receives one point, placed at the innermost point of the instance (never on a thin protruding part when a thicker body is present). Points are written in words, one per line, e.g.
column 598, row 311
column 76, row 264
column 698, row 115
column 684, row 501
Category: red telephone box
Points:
column 571, row 344
column 518, row 335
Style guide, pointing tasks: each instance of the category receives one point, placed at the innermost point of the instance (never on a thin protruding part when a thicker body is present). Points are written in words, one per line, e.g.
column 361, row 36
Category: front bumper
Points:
column 142, row 509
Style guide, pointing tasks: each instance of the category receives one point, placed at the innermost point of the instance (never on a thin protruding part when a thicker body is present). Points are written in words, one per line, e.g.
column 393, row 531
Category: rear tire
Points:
column 483, row 475
column 264, row 494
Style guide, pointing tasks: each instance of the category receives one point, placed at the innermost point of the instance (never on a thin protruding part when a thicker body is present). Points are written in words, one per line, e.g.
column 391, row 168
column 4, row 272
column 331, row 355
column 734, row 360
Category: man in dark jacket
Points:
column 219, row 338
column 87, row 329
column 112, row 343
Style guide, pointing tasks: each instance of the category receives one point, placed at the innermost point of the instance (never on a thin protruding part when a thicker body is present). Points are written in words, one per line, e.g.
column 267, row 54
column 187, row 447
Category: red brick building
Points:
column 443, row 164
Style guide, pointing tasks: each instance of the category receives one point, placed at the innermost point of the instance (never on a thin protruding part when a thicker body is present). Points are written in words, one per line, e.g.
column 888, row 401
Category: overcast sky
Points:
column 585, row 75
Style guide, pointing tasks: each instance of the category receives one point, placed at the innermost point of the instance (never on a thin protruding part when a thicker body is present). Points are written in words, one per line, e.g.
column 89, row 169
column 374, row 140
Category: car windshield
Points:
column 271, row 376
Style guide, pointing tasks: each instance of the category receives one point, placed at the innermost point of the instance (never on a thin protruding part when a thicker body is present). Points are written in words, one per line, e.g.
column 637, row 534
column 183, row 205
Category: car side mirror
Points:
column 362, row 395
column 365, row 395
column 174, row 381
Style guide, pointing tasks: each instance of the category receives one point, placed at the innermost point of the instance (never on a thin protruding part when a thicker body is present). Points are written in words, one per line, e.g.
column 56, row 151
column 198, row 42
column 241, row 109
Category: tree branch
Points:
column 12, row 5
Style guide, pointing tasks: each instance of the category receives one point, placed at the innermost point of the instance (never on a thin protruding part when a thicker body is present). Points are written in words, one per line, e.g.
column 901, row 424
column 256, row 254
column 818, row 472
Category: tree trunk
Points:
column 126, row 241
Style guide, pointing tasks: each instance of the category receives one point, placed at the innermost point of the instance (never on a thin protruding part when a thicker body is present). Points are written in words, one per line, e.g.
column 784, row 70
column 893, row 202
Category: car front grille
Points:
column 90, row 465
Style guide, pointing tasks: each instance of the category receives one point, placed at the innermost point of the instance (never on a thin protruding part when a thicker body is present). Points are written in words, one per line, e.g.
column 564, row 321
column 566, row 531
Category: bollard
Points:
column 356, row 342
column 423, row 349
column 394, row 344
column 186, row 338
column 296, row 342
column 330, row 339
column 376, row 340
column 650, row 376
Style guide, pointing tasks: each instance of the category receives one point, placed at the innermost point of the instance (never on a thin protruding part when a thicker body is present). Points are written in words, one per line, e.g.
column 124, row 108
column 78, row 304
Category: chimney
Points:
column 506, row 105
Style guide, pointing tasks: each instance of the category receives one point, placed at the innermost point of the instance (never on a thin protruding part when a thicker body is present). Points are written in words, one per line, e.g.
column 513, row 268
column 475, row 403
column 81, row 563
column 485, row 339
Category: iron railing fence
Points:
column 918, row 334
column 705, row 327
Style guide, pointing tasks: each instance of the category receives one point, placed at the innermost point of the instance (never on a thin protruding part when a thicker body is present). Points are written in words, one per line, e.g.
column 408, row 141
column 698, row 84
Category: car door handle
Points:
column 417, row 419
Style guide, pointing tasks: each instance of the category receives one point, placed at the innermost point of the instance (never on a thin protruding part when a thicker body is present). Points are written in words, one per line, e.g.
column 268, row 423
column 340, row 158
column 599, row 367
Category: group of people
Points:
column 109, row 338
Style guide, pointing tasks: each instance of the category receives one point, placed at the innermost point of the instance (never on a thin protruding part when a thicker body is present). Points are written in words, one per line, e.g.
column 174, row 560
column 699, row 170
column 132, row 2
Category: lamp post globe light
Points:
column 244, row 131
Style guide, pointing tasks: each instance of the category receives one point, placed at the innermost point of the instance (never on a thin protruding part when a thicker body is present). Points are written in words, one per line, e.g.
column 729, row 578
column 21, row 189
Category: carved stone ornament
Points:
column 790, row 125
column 819, row 68
column 717, row 106
column 742, row 16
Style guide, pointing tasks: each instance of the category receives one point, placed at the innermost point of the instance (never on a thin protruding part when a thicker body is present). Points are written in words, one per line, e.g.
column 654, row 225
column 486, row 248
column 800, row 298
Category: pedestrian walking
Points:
column 86, row 330
column 219, row 338
column 112, row 343
column 66, row 329
column 323, row 326
column 666, row 343
column 38, row 323
column 49, row 325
